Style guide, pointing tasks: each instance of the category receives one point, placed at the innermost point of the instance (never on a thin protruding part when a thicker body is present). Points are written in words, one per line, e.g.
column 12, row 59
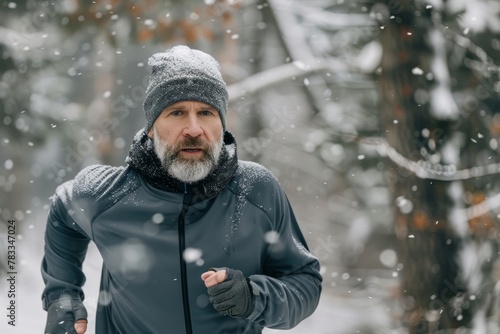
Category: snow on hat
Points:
column 182, row 74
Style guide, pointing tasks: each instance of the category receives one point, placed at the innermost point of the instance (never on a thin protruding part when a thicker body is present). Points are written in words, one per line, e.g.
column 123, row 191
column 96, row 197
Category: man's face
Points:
column 188, row 139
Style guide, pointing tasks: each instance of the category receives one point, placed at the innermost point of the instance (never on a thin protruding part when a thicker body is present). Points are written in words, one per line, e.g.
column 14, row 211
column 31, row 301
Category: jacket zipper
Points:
column 182, row 248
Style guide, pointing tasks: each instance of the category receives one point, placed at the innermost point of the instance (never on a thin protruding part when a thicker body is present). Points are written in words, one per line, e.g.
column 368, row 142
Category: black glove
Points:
column 234, row 296
column 62, row 314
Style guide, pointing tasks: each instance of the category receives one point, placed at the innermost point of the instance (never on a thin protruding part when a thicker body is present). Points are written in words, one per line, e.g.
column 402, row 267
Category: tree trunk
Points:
column 428, row 244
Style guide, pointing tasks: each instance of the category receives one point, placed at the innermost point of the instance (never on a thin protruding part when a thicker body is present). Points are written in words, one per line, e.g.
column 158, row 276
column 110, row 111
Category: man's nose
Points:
column 193, row 127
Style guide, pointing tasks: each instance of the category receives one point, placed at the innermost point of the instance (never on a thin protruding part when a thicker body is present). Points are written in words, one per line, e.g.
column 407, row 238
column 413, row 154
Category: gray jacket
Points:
column 155, row 245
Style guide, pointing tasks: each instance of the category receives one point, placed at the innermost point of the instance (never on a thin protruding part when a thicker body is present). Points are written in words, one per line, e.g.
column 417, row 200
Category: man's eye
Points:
column 176, row 113
column 206, row 112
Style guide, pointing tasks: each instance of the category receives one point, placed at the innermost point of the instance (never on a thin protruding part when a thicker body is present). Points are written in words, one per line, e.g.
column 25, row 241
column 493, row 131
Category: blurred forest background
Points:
column 380, row 118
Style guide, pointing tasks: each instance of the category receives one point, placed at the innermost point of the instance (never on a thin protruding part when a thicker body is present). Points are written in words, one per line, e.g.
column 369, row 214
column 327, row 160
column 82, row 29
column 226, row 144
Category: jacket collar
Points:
column 143, row 159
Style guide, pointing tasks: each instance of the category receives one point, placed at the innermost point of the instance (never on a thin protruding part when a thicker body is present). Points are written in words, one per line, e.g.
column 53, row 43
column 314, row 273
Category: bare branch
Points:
column 423, row 169
column 282, row 73
column 426, row 170
column 484, row 207
column 322, row 17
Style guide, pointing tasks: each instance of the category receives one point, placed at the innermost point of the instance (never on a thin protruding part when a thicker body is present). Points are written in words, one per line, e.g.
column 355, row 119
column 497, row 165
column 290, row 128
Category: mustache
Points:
column 192, row 142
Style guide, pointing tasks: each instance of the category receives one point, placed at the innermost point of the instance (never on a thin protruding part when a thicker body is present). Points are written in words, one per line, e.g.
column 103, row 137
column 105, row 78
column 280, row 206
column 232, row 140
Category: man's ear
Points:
column 151, row 132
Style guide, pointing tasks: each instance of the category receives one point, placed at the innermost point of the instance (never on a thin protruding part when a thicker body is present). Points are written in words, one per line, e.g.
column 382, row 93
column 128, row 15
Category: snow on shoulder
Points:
column 254, row 172
column 96, row 180
column 254, row 178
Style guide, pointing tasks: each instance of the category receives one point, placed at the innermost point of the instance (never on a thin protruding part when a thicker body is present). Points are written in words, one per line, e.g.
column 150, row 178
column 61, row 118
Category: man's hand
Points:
column 229, row 292
column 66, row 315
column 81, row 326
column 213, row 277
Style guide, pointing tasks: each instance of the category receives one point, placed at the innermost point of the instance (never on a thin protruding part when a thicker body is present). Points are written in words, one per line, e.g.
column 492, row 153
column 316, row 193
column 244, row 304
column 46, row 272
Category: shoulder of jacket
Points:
column 254, row 172
column 97, row 181
column 93, row 190
column 254, row 180
column 259, row 187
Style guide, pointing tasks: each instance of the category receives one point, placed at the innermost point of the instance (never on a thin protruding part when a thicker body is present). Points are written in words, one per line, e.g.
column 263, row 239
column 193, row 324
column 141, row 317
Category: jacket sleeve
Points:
column 288, row 291
column 65, row 248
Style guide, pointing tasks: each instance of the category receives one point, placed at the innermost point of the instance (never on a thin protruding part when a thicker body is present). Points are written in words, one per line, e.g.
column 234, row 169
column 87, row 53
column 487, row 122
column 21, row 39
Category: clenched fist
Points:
column 66, row 315
column 229, row 292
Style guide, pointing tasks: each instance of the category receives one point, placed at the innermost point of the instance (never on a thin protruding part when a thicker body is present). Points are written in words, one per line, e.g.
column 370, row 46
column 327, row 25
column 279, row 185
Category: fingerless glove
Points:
column 62, row 314
column 234, row 296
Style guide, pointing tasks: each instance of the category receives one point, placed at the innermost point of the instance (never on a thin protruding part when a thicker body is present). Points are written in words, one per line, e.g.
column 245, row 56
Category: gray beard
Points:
column 187, row 170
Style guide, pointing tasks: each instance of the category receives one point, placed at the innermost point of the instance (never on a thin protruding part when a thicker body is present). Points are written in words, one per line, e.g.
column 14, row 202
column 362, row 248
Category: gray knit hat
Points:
column 181, row 74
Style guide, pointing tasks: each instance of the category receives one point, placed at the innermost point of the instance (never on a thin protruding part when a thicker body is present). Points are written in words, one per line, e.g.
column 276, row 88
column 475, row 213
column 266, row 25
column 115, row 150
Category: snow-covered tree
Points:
column 438, row 83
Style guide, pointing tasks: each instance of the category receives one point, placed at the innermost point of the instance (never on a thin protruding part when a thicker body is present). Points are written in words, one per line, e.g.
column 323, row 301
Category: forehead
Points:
column 189, row 104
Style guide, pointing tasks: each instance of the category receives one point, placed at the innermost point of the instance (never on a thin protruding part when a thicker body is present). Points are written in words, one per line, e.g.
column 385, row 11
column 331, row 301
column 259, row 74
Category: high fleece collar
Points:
column 143, row 159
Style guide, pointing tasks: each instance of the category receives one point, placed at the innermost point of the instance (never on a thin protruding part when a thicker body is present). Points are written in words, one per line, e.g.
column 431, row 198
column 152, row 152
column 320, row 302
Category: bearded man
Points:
column 192, row 239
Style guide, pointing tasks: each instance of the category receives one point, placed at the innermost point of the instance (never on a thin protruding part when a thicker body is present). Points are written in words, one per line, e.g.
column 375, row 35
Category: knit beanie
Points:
column 181, row 74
